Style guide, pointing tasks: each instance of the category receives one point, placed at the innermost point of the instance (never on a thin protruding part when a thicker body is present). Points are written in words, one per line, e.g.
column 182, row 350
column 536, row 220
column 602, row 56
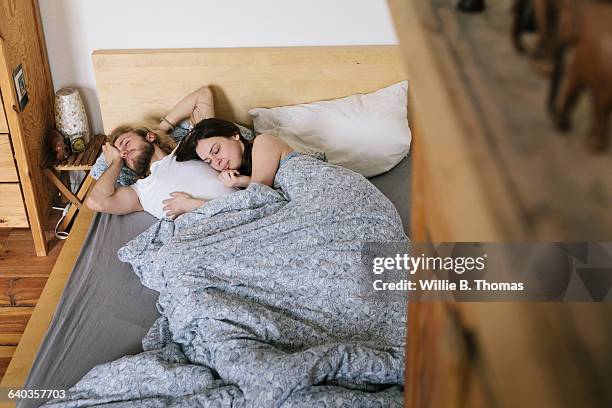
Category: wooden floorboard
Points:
column 34, row 333
column 6, row 352
column 18, row 256
column 23, row 276
column 20, row 291
column 13, row 321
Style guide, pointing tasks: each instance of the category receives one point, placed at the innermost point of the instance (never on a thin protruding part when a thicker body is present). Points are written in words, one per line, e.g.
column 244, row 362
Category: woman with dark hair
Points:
column 214, row 127
column 240, row 162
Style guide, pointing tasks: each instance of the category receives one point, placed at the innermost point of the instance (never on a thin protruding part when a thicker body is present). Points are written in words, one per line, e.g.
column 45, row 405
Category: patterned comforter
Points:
column 261, row 296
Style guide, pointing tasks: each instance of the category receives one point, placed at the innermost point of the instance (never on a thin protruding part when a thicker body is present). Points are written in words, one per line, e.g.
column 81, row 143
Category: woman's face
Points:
column 222, row 153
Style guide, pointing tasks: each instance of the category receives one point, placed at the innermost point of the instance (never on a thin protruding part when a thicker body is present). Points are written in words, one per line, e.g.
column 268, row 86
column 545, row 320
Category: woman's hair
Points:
column 212, row 127
column 165, row 142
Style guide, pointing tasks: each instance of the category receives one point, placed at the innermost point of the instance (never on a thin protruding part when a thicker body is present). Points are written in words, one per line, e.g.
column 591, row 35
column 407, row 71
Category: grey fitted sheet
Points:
column 396, row 184
column 105, row 311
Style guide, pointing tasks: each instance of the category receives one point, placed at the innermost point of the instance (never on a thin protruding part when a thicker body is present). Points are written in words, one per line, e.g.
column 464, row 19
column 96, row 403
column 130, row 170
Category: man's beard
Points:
column 143, row 159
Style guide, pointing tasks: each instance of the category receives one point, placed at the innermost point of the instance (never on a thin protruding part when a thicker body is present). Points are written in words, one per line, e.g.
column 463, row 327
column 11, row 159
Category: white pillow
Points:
column 367, row 133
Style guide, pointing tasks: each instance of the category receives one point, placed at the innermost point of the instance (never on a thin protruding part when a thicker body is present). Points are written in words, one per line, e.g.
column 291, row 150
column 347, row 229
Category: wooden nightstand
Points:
column 76, row 162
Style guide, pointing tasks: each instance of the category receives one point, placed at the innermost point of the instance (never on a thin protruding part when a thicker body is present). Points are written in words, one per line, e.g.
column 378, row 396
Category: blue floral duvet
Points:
column 261, row 302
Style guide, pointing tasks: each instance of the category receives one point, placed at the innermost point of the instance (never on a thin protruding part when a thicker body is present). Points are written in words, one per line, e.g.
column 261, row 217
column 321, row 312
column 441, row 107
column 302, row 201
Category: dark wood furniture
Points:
column 489, row 165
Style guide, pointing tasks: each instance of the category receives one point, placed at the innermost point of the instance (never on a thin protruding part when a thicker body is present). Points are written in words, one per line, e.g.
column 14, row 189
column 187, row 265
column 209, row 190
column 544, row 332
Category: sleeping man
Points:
column 148, row 152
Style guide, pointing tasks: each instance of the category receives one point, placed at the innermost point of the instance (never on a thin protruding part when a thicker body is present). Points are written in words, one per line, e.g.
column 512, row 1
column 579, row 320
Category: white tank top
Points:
column 167, row 176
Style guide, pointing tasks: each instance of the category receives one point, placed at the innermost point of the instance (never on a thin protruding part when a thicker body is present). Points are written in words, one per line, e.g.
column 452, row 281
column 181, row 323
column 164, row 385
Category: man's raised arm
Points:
column 196, row 106
column 105, row 196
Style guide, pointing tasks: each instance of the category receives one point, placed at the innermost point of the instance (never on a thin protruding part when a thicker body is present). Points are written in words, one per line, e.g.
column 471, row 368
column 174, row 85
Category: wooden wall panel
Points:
column 21, row 31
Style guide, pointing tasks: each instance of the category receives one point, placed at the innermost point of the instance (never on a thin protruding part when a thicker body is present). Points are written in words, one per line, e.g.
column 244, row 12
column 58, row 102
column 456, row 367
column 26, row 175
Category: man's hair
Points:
column 165, row 142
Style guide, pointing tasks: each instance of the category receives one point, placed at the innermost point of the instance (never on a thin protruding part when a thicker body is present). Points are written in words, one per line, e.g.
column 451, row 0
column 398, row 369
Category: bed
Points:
column 105, row 311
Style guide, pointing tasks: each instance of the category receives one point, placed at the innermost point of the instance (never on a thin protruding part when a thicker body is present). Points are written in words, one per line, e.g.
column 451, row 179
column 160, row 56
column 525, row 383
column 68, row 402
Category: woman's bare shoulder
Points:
column 270, row 146
column 265, row 139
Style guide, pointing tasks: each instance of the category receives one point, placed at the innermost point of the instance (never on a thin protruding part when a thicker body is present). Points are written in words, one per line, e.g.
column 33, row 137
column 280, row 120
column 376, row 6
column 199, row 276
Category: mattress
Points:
column 105, row 311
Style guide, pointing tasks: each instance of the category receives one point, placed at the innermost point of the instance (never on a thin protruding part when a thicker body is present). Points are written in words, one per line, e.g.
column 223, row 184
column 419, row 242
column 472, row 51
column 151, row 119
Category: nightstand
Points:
column 82, row 161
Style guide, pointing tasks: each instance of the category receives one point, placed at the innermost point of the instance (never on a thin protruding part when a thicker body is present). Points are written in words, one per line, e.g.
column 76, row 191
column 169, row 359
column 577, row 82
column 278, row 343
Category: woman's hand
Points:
column 231, row 178
column 180, row 203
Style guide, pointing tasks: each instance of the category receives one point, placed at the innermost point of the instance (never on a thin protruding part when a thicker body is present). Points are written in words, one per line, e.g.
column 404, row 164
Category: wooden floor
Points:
column 22, row 278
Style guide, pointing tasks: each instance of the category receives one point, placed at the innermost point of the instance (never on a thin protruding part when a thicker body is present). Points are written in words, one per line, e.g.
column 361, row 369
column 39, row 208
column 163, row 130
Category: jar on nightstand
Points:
column 71, row 119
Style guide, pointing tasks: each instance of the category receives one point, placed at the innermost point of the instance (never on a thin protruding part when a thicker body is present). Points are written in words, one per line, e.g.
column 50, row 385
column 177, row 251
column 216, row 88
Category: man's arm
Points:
column 196, row 106
column 104, row 196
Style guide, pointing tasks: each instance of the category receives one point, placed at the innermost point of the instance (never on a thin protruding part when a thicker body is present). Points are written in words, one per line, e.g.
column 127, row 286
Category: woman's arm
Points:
column 181, row 203
column 196, row 106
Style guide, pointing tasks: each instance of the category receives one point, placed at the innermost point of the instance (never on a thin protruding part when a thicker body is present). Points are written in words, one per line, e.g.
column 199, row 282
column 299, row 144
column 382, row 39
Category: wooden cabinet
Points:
column 3, row 124
column 12, row 208
column 489, row 165
column 494, row 165
column 8, row 169
column 445, row 367
column 25, row 194
column 504, row 354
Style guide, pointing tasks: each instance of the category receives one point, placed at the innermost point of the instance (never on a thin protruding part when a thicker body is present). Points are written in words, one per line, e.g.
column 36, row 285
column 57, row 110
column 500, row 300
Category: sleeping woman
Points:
column 240, row 162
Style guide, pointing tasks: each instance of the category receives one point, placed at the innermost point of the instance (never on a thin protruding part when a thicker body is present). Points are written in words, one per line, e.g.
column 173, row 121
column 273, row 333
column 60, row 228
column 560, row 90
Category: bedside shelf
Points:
column 82, row 161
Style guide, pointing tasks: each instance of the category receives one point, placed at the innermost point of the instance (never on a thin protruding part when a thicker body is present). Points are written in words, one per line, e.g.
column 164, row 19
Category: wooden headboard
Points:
column 138, row 85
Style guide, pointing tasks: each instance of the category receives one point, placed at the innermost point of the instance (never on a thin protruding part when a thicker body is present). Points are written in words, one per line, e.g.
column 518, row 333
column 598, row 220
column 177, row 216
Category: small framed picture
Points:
column 20, row 87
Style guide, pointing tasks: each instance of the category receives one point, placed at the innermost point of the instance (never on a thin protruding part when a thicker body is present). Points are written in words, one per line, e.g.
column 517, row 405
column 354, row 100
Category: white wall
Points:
column 75, row 28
